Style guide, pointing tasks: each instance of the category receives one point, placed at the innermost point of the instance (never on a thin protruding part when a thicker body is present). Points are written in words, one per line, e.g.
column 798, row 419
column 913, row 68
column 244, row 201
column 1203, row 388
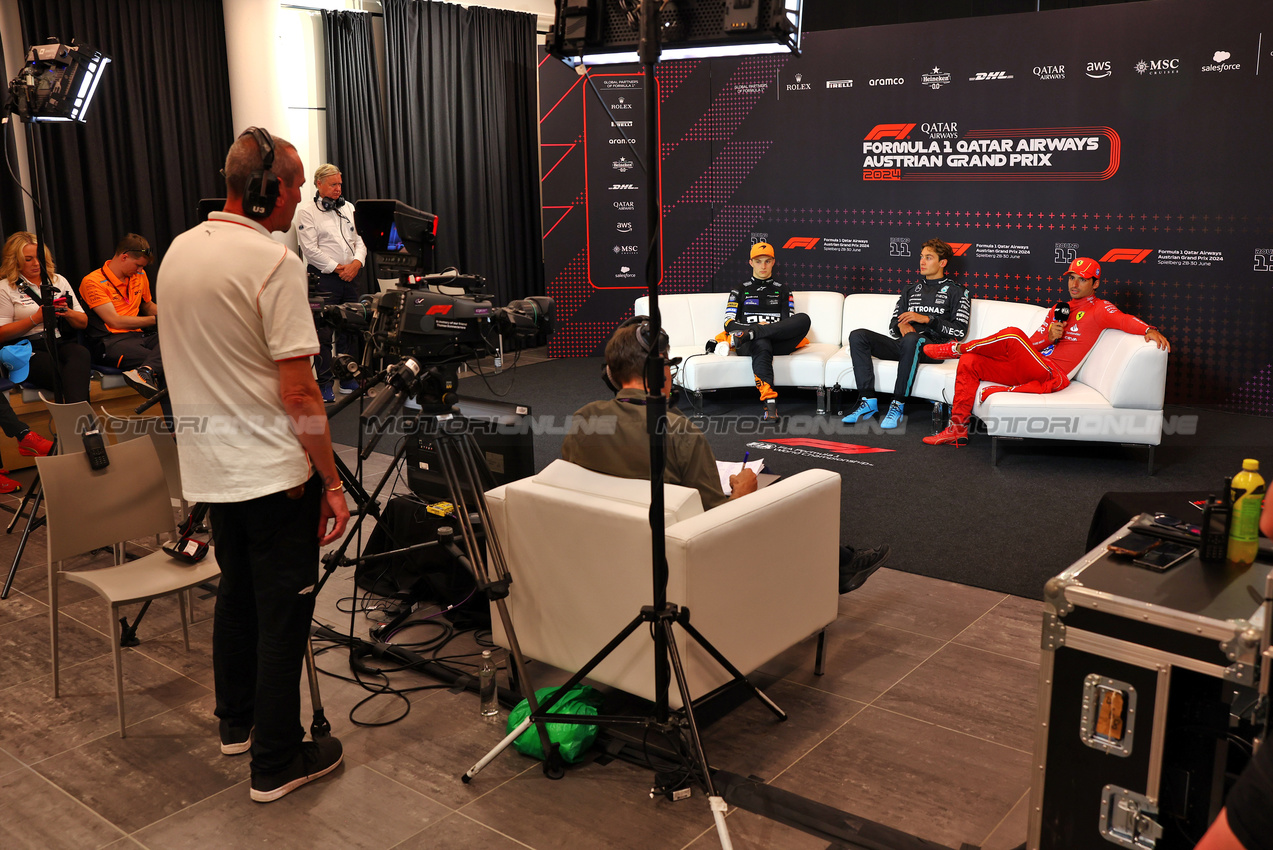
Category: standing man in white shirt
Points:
column 335, row 252
column 255, row 445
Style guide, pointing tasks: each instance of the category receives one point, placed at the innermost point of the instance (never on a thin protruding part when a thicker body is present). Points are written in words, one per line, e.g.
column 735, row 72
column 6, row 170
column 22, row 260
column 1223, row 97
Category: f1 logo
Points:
column 806, row 242
column 438, row 310
column 1135, row 255
column 959, row 248
column 889, row 131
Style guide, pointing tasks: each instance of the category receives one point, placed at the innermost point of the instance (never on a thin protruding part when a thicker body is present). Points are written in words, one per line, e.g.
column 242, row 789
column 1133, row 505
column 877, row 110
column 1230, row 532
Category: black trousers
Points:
column 75, row 376
column 779, row 337
column 268, row 552
column 337, row 291
column 133, row 350
column 907, row 351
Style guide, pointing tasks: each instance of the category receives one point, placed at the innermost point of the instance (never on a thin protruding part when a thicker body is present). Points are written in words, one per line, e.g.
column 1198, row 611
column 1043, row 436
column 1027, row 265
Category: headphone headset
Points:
column 642, row 324
column 327, row 203
column 261, row 195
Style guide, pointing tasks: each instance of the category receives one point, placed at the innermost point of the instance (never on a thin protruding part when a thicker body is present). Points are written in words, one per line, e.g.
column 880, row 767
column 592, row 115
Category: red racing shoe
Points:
column 33, row 445
column 956, row 435
column 942, row 351
column 8, row 485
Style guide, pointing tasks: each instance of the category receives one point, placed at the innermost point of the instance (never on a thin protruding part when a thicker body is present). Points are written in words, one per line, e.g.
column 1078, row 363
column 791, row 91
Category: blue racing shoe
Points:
column 894, row 416
column 867, row 408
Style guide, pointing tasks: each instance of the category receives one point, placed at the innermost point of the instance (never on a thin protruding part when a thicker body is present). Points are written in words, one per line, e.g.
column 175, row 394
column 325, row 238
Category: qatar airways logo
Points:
column 1050, row 72
column 940, row 129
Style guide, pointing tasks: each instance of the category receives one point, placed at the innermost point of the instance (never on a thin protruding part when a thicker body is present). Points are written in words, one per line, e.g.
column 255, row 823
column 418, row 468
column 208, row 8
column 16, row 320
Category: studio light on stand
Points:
column 56, row 85
column 627, row 31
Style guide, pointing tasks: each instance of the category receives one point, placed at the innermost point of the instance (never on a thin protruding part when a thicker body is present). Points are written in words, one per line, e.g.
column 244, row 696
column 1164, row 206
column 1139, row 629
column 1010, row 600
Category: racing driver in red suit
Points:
column 1041, row 363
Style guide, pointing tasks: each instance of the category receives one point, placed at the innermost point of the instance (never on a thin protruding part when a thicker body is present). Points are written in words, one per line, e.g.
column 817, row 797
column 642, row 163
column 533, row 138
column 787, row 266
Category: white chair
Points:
column 758, row 574
column 86, row 509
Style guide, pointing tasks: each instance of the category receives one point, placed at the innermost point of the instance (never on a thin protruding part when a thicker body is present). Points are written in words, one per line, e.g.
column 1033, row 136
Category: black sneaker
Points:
column 235, row 739
column 143, row 381
column 315, row 759
column 860, row 567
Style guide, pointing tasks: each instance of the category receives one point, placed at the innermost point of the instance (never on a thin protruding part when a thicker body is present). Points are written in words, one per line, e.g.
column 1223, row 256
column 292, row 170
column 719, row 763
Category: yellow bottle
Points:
column 1244, row 521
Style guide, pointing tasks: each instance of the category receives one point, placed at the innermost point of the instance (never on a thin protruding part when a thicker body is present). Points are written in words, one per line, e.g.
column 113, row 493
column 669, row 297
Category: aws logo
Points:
column 1133, row 255
column 959, row 248
column 889, row 131
column 806, row 242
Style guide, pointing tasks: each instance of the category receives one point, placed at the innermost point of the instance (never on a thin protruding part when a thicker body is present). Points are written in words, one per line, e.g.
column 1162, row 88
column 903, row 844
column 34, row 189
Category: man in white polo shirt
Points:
column 254, row 443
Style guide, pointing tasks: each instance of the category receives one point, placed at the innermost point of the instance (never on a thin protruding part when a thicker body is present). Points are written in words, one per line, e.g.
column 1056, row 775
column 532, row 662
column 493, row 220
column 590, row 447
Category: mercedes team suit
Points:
column 783, row 332
column 1032, row 364
column 947, row 305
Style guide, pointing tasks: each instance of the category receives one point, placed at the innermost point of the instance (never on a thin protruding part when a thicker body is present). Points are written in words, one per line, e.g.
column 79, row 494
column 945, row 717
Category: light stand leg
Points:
column 33, row 522
column 319, row 728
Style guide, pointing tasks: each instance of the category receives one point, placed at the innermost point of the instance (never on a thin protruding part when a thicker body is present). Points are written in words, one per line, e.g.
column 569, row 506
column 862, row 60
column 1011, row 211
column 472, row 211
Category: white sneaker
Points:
column 722, row 349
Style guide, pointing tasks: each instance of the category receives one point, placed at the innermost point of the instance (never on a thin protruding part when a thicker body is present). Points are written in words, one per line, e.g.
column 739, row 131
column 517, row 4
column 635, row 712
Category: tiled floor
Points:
column 923, row 721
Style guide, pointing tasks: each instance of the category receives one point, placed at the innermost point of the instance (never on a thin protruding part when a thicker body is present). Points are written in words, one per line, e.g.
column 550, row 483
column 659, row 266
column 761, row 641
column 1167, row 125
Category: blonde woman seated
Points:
column 21, row 318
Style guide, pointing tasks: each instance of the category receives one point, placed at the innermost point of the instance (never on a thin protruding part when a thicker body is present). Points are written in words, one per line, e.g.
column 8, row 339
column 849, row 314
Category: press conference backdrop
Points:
column 1136, row 134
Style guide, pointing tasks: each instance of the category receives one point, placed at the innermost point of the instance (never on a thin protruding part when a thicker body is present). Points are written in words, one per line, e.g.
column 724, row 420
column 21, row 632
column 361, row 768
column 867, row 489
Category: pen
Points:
column 745, row 456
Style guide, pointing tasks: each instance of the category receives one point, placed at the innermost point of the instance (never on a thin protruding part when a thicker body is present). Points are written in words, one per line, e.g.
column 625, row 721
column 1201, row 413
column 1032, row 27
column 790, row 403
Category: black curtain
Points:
column 12, row 217
column 157, row 132
column 355, row 121
column 462, row 136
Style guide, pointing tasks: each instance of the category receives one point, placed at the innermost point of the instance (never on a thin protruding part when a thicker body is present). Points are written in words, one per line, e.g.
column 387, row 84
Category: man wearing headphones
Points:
column 624, row 450
column 239, row 339
column 335, row 252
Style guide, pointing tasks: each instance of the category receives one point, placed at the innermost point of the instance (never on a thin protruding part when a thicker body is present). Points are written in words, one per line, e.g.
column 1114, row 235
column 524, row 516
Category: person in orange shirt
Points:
column 122, row 310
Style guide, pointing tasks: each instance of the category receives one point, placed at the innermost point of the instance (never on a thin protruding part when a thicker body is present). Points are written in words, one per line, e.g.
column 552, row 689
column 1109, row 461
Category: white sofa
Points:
column 1116, row 395
column 578, row 549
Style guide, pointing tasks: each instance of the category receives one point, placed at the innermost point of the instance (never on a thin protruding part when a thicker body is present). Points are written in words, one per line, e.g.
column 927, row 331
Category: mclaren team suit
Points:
column 784, row 330
column 1031, row 364
column 947, row 305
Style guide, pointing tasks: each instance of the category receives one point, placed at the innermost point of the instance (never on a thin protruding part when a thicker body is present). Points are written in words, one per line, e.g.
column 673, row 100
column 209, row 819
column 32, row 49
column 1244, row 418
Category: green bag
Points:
column 572, row 739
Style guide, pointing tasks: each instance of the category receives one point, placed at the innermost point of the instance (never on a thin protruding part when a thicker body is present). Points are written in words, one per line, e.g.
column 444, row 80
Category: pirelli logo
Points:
column 960, row 248
column 1133, row 255
column 806, row 242
column 889, row 131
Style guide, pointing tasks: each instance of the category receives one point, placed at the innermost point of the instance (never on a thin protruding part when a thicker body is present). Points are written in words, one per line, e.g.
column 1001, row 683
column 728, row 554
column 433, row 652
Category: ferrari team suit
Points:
column 1032, row 364
column 945, row 302
column 784, row 330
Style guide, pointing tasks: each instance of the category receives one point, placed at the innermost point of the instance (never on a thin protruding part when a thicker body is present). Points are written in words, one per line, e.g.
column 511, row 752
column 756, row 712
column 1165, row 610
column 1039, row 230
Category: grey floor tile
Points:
column 169, row 650
column 37, row 815
column 1011, row 832
column 353, row 807
column 35, row 725
column 20, row 607
column 8, row 764
column 932, row 782
column 979, row 693
column 164, row 765
column 751, row 741
column 458, row 832
column 926, row 606
column 748, row 831
column 24, row 645
column 551, row 814
column 1013, row 627
column 863, row 659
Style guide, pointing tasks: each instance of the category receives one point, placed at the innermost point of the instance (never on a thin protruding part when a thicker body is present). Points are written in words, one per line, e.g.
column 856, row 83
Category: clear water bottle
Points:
column 939, row 417
column 486, row 688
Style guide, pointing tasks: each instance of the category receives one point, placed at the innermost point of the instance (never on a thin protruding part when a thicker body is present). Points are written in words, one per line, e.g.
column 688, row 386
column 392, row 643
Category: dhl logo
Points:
column 960, row 248
column 1135, row 255
column 889, row 131
column 806, row 242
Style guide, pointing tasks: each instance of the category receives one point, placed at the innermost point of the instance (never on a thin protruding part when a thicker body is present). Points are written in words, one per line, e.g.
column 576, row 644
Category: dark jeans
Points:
column 779, row 337
column 133, row 350
column 907, row 351
column 75, row 376
column 337, row 291
column 268, row 552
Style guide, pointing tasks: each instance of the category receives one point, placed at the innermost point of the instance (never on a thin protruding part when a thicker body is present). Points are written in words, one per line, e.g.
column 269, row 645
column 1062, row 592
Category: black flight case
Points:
column 1149, row 699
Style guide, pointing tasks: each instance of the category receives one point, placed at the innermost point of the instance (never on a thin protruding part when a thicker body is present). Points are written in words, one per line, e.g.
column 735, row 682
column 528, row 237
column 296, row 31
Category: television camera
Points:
column 420, row 330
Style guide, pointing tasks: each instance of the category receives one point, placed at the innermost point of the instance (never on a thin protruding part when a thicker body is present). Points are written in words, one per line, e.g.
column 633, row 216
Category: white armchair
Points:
column 758, row 574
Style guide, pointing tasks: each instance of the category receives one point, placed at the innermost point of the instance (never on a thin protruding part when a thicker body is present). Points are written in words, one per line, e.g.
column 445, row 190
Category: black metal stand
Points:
column 661, row 614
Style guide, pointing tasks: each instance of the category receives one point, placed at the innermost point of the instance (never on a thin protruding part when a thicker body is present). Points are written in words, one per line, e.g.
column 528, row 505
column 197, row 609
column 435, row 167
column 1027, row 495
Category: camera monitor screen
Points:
column 400, row 238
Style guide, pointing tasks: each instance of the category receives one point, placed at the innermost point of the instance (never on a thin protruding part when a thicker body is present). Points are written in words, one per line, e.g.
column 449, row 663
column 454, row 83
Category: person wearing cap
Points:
column 123, row 310
column 610, row 437
column 334, row 252
column 933, row 310
column 761, row 321
column 1043, row 362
